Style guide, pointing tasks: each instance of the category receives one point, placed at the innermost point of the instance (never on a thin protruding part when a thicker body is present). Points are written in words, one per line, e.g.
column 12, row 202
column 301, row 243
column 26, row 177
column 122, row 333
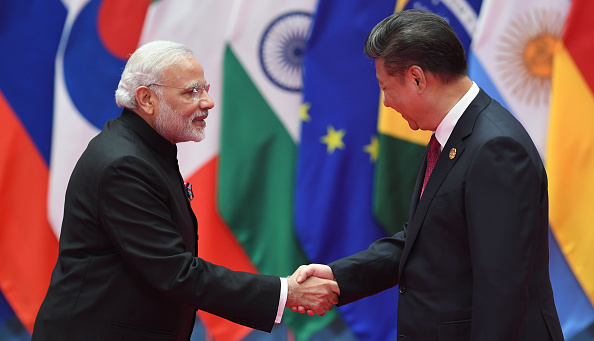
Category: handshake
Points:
column 312, row 289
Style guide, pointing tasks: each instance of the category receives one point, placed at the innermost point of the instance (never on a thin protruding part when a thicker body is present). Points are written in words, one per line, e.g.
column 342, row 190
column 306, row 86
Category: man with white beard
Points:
column 128, row 266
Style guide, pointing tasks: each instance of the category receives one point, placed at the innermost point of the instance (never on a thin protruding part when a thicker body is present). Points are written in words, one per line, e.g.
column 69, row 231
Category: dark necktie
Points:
column 432, row 156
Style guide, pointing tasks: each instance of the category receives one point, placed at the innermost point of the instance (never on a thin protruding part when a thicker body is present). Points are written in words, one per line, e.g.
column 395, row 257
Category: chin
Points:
column 199, row 137
column 413, row 126
column 197, row 134
column 192, row 138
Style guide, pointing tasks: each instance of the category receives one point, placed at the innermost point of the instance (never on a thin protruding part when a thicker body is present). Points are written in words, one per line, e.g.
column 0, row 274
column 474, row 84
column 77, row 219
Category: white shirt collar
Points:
column 445, row 128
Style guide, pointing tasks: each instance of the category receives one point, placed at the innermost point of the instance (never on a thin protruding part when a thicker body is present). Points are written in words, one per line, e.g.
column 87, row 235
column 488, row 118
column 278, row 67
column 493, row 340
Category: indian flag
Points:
column 259, row 136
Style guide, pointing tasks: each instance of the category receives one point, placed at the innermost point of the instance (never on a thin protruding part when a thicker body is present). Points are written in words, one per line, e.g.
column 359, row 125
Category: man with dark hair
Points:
column 472, row 261
column 128, row 267
column 417, row 38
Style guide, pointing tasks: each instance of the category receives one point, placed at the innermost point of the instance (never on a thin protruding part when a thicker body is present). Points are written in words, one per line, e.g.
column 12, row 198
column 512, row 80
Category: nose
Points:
column 206, row 102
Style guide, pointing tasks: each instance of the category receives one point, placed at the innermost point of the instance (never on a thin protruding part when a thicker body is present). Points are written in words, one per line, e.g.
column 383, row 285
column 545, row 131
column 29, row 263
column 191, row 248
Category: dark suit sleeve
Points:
column 370, row 271
column 136, row 211
column 505, row 199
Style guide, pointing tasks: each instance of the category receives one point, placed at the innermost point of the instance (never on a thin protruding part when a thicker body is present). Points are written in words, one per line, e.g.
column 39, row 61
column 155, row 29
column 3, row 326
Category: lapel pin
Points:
column 452, row 153
column 189, row 191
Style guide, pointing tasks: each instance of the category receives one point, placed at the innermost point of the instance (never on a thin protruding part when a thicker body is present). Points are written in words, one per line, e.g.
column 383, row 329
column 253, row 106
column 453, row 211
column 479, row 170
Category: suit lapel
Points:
column 443, row 166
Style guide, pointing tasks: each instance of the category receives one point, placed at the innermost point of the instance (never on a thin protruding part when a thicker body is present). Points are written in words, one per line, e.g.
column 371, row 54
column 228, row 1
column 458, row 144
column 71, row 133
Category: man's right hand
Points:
column 318, row 270
column 316, row 275
column 311, row 294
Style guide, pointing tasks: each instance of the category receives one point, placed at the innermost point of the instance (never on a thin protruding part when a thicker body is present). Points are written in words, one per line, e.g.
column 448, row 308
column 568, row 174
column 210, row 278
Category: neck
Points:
column 447, row 95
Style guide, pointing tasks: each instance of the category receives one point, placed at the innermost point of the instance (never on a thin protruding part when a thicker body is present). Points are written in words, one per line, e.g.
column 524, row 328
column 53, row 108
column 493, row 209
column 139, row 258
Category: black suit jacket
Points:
column 128, row 267
column 472, row 261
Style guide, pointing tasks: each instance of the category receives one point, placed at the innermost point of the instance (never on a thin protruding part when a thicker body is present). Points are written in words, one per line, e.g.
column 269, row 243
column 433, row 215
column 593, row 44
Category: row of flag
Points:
column 301, row 162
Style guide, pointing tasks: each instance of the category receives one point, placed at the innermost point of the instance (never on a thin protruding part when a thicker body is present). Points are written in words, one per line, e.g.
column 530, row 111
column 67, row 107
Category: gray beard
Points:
column 174, row 128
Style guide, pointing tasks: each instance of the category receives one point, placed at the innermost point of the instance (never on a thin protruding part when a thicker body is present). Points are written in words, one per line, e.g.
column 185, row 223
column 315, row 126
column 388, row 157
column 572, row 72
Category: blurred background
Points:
column 301, row 162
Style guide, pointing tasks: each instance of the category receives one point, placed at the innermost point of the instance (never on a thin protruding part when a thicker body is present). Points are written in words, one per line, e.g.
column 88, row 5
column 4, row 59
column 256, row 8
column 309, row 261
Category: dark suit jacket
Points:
column 128, row 266
column 472, row 262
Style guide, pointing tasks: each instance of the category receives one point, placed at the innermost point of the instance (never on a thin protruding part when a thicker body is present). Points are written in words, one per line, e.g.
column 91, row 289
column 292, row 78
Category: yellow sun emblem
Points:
column 526, row 55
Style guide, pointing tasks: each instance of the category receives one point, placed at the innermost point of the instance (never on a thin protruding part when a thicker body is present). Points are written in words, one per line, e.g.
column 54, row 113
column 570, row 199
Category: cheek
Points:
column 187, row 109
column 389, row 100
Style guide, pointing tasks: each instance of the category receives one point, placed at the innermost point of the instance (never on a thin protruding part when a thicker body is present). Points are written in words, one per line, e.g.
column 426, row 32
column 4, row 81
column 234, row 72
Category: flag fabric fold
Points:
column 570, row 157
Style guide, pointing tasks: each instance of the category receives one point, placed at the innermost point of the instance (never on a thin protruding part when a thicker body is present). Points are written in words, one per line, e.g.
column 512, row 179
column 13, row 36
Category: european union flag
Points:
column 334, row 186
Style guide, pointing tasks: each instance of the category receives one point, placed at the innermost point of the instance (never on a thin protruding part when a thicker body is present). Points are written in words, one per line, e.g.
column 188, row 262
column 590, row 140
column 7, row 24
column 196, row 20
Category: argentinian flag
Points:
column 511, row 58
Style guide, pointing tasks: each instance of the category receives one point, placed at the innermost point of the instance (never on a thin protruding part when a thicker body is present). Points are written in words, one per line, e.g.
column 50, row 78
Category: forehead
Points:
column 186, row 72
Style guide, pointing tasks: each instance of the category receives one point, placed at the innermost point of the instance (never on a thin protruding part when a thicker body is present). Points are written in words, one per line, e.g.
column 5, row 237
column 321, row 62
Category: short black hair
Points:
column 421, row 38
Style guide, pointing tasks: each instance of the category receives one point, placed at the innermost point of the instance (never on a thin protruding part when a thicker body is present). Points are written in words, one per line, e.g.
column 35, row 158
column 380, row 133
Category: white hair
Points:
column 145, row 67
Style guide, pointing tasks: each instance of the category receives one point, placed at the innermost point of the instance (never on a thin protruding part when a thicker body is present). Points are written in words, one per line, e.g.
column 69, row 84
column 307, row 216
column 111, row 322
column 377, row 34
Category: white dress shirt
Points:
column 445, row 128
column 282, row 300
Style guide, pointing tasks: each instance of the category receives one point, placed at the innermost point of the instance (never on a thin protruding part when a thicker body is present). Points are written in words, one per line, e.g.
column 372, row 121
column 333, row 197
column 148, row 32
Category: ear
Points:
column 146, row 100
column 418, row 77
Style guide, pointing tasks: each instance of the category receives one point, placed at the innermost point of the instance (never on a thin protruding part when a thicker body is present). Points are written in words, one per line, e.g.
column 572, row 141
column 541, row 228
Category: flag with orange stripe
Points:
column 29, row 35
column 570, row 151
column 28, row 247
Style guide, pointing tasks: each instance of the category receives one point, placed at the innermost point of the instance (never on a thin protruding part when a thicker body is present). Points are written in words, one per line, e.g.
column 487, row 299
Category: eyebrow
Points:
column 197, row 84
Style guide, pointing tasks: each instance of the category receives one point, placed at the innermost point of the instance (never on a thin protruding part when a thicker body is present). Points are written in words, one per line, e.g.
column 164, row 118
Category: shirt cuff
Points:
column 282, row 300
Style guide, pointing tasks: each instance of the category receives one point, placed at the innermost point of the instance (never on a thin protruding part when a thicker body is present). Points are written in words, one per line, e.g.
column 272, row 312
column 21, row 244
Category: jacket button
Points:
column 401, row 289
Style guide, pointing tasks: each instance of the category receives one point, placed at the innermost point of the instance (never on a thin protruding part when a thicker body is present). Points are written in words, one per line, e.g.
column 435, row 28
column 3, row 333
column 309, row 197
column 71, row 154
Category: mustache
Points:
column 201, row 115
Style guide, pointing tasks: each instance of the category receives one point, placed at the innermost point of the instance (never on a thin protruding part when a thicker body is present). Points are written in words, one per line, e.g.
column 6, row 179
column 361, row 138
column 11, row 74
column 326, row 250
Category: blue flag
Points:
column 29, row 35
column 461, row 15
column 334, row 183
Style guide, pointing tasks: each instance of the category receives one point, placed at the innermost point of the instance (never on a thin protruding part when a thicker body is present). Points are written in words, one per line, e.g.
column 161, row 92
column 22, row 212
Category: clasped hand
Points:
column 312, row 289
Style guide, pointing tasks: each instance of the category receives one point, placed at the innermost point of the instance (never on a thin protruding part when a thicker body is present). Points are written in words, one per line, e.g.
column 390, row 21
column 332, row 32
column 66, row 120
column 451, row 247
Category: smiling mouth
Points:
column 200, row 118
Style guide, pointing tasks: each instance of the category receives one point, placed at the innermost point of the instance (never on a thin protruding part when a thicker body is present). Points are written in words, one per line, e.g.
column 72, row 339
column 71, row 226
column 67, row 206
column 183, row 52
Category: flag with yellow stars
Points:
column 259, row 134
column 338, row 150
